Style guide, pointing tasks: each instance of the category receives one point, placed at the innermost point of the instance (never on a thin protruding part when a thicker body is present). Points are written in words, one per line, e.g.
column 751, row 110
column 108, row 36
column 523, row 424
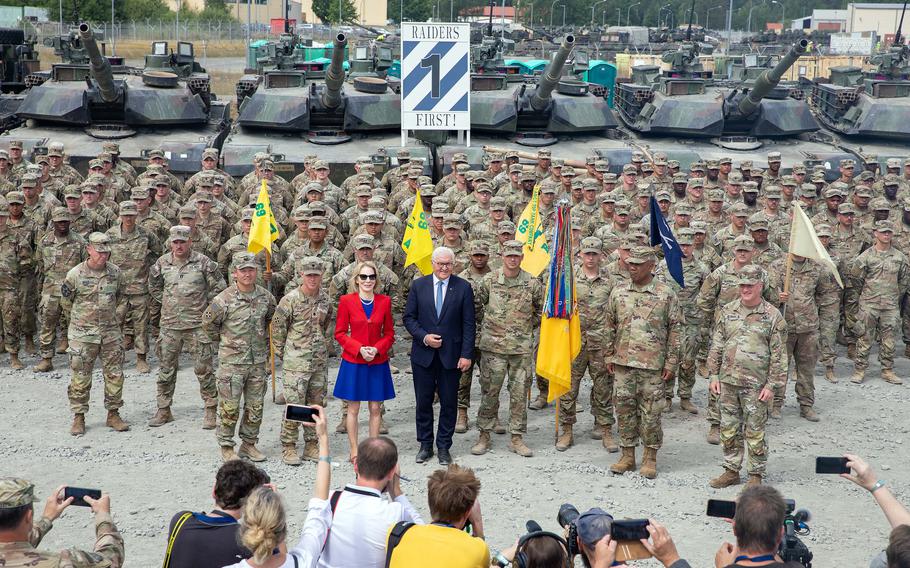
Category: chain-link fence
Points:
column 164, row 30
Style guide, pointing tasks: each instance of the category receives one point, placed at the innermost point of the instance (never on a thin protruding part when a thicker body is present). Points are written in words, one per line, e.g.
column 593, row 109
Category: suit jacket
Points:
column 455, row 324
column 353, row 330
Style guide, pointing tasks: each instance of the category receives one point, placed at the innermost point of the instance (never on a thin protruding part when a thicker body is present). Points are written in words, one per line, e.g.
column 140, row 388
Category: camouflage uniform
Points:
column 54, row 257
column 474, row 278
column 241, row 321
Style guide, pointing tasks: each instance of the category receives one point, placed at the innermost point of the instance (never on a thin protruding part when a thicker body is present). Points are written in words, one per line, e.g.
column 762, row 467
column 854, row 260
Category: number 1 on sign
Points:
column 432, row 62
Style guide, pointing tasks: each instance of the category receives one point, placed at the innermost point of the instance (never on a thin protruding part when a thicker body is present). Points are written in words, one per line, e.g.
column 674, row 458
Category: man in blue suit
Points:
column 440, row 318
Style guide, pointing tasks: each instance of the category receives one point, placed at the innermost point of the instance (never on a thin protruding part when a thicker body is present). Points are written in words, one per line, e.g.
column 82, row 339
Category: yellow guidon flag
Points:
column 804, row 242
column 263, row 229
column 529, row 232
column 417, row 242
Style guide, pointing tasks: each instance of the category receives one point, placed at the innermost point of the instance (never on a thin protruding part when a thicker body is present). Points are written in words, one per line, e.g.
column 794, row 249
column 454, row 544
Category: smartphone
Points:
column 722, row 509
column 298, row 413
column 831, row 465
column 630, row 529
column 77, row 493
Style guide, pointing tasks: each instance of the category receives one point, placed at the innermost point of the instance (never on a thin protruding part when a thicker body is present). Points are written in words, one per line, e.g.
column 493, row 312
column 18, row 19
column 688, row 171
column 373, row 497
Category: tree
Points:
column 327, row 11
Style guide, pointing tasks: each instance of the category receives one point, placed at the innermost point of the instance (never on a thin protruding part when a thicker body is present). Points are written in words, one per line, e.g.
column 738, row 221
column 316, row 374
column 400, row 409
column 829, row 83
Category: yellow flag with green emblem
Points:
column 417, row 242
column 529, row 232
column 263, row 229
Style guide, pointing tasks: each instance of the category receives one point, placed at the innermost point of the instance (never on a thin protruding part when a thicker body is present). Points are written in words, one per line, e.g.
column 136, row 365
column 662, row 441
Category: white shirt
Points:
column 445, row 288
column 360, row 528
column 315, row 528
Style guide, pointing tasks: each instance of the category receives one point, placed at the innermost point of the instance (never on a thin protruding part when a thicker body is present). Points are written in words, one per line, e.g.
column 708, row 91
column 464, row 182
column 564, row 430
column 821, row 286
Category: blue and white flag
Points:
column 663, row 236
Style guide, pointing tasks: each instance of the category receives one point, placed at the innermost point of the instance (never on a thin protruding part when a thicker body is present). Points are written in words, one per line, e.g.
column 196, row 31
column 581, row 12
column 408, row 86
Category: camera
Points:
column 792, row 549
column 566, row 518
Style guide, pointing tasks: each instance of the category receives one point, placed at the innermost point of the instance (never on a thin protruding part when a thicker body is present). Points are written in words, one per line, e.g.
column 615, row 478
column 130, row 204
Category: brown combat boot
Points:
column 161, row 417
column 142, row 366
column 311, row 451
column 649, row 463
column 461, row 422
column 808, row 413
column 714, row 435
column 498, row 427
column 342, row 427
column 565, row 441
column 775, row 412
column 726, row 479
column 15, row 363
column 383, row 427
column 78, row 428
column 46, row 364
column 228, row 453
column 30, row 346
column 686, row 404
column 753, row 480
column 63, row 346
column 483, row 444
column 128, row 342
column 115, row 422
column 289, row 455
column 668, row 405
column 517, row 445
column 889, row 377
column 609, row 443
column 830, row 376
column 626, row 462
column 597, row 433
column 209, row 419
column 538, row 403
column 858, row 376
column 250, row 452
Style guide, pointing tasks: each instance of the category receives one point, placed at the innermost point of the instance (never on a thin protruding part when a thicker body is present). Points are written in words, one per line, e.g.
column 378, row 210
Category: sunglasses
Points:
column 367, row 276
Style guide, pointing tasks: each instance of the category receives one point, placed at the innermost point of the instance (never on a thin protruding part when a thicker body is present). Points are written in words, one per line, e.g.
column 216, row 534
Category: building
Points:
column 822, row 20
column 370, row 12
column 879, row 18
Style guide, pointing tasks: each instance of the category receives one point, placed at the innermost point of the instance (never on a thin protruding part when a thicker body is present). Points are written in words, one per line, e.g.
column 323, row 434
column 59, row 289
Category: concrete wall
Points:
column 879, row 20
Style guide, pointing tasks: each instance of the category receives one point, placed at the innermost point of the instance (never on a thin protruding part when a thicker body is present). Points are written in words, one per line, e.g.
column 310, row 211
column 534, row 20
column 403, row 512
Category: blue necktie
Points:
column 439, row 286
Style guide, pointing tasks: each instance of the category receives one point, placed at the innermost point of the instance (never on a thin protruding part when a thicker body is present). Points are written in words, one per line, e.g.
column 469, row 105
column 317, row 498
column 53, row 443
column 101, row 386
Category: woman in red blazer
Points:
column 365, row 331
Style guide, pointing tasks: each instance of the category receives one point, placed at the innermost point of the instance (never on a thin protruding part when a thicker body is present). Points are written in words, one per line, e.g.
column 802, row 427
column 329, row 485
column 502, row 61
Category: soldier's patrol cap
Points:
column 590, row 160
column 371, row 218
column 72, row 192
column 61, row 214
column 313, row 186
column 54, row 151
column 750, row 187
column 515, row 169
column 880, row 204
column 363, row 190
column 893, row 163
column 609, row 177
column 735, row 178
column 697, row 167
column 15, row 197
column 204, row 196
column 412, row 173
column 567, row 171
column 715, row 194
column 750, row 274
column 588, row 184
column 439, row 208
column 367, row 168
column 755, row 173
column 773, row 192
column 644, row 189
column 697, row 183
column 758, row 222
column 512, row 248
column 16, row 492
column 865, row 175
column 907, row 161
column 548, row 188
column 712, row 165
column 773, row 157
column 505, row 227
column 798, row 169
column 42, row 160
column 4, row 155
column 128, row 208
column 29, row 180
column 452, row 221
column 483, row 187
column 629, row 169
column 155, row 153
column 527, row 174
column 512, row 154
column 210, row 154
column 301, row 213
column 683, row 209
column 660, row 159
column 863, row 191
column 836, row 189
column 363, row 241
column 88, row 187
column 673, row 164
column 745, row 165
column 478, row 247
column 601, row 166
column 817, row 177
column 362, row 160
column 139, row 193
column 685, row 236
column 100, row 242
column 259, row 156
column 320, row 165
column 206, row 180
column 884, row 226
column 662, row 195
column 739, row 210
column 847, row 163
column 870, row 159
column 162, row 181
column 823, row 230
column 681, row 177
column 378, row 202
column 622, row 208
column 106, row 157
column 462, row 168
column 889, row 179
column 591, row 244
column 311, row 265
column 244, row 259
column 743, row 242
column 179, row 233
column 246, row 214
column 846, row 209
column 808, row 190
column 15, row 144
column 95, row 163
column 498, row 203
column 699, row 227
column 647, row 167
column 459, row 158
column 267, row 165
column 637, row 157
column 641, row 254
column 187, row 212
column 628, row 241
column 495, row 157
column 724, row 160
column 607, row 197
column 544, row 153
column 788, row 181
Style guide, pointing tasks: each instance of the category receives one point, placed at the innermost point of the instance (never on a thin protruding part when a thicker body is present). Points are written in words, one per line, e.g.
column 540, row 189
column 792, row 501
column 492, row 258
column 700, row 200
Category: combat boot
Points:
column 142, row 365
column 311, row 451
column 668, row 405
column 858, row 376
column 228, row 453
column 209, row 419
column 565, row 441
column 498, row 427
column 808, row 413
column 289, row 455
column 46, row 364
column 78, row 428
column 538, row 403
column 63, row 346
column 775, row 412
column 626, row 462
column 250, row 452
column 517, row 445
column 483, row 444
column 714, row 435
column 753, row 480
column 15, row 363
column 342, row 427
column 649, row 463
column 608, row 441
column 686, row 404
column 597, row 433
column 161, row 417
column 461, row 423
column 889, row 377
column 383, row 427
column 30, row 346
column 830, row 376
column 726, row 479
column 115, row 422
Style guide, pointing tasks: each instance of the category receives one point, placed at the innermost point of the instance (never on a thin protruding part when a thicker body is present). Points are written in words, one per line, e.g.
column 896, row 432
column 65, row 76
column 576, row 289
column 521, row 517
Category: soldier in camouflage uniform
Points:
column 478, row 267
column 592, row 288
column 239, row 317
column 148, row 219
column 510, row 300
column 183, row 282
column 88, row 293
column 59, row 169
column 391, row 178
column 201, row 241
column 15, row 261
column 16, row 499
column 56, row 253
column 747, row 364
column 301, row 331
column 881, row 274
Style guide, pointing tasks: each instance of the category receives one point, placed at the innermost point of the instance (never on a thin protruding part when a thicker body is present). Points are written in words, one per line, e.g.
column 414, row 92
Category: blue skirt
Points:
column 360, row 382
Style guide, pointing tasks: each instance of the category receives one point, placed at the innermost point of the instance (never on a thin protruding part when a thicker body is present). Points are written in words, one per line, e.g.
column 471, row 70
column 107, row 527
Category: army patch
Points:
column 66, row 291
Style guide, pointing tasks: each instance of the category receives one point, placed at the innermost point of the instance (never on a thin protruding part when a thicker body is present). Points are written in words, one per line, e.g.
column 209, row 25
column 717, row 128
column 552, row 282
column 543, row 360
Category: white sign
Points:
column 435, row 76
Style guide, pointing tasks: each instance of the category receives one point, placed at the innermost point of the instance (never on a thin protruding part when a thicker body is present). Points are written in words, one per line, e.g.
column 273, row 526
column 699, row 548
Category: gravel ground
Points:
column 152, row 473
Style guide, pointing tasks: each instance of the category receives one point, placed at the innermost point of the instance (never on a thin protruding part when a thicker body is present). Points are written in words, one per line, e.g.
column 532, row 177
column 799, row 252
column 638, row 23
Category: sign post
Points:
column 436, row 78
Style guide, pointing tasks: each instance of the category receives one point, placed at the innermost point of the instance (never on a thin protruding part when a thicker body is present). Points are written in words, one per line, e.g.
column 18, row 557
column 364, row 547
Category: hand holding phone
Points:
column 79, row 493
column 721, row 509
column 628, row 534
column 300, row 413
column 831, row 465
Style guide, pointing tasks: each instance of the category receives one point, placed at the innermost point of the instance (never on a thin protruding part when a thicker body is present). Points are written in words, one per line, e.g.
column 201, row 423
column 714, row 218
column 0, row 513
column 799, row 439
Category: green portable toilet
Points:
column 395, row 69
column 536, row 65
column 253, row 52
column 602, row 73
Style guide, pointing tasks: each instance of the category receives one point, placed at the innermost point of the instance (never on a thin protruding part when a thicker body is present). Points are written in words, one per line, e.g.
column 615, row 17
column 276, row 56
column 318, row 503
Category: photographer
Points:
column 759, row 529
column 20, row 533
column 898, row 553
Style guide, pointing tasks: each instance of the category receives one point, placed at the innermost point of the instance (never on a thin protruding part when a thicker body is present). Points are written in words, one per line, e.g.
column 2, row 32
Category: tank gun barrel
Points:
column 334, row 75
column 101, row 67
column 551, row 74
column 770, row 78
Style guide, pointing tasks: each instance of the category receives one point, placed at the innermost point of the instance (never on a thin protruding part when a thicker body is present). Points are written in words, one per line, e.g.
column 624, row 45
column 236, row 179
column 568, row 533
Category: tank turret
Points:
column 101, row 67
column 551, row 75
column 334, row 75
column 768, row 80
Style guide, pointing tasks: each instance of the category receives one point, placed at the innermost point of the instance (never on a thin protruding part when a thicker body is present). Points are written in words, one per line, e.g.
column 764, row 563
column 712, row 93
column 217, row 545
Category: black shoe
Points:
column 425, row 453
column 445, row 458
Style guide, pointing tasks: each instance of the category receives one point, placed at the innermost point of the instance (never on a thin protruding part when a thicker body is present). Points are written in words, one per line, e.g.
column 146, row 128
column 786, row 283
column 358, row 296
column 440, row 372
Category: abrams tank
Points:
column 85, row 105
column 18, row 62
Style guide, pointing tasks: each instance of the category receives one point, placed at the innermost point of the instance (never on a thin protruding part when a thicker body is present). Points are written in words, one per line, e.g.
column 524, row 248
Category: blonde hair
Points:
column 357, row 268
column 264, row 524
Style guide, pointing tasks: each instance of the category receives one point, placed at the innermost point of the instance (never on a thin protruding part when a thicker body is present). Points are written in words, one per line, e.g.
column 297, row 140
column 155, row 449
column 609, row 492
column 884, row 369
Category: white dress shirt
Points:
column 315, row 528
column 445, row 288
column 361, row 526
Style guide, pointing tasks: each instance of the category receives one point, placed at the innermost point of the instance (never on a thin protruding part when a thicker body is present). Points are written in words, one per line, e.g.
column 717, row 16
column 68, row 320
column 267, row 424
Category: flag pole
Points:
column 268, row 268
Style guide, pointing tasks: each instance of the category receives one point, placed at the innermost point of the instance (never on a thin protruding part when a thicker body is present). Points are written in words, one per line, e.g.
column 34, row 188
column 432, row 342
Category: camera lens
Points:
column 567, row 515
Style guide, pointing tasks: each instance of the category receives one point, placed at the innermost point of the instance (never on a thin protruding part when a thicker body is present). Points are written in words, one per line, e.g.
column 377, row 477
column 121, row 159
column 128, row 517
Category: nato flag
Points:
column 663, row 236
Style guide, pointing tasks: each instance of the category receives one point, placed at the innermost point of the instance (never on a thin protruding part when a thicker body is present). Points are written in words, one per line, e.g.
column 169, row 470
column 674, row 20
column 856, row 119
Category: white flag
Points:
column 804, row 241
